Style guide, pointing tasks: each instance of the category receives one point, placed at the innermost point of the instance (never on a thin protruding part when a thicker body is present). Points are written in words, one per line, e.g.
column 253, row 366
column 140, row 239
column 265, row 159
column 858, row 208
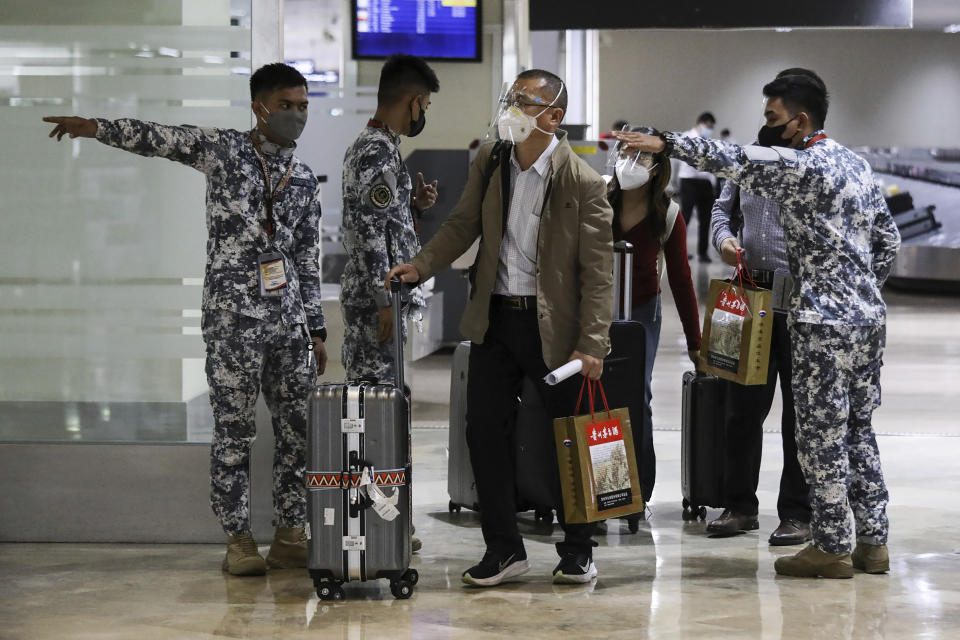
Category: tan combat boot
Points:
column 289, row 549
column 242, row 557
column 813, row 563
column 872, row 558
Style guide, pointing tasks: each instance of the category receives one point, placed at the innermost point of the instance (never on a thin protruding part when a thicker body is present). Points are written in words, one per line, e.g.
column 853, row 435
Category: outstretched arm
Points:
column 195, row 147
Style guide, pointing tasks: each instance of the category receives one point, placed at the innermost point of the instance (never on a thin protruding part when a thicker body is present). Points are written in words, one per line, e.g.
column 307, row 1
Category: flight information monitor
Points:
column 432, row 29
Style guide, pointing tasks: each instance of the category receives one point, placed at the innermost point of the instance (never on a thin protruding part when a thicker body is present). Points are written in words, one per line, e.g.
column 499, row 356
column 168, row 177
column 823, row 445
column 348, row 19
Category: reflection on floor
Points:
column 667, row 581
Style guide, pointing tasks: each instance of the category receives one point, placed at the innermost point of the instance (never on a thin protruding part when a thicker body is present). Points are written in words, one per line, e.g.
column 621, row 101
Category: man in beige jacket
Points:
column 542, row 295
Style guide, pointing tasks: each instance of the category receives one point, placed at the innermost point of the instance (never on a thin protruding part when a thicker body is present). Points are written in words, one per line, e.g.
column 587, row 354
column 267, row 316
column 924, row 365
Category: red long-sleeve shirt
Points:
column 646, row 284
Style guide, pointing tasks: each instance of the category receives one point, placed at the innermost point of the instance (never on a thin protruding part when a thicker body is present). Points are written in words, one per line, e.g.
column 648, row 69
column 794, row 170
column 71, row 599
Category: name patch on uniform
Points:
column 301, row 182
column 381, row 196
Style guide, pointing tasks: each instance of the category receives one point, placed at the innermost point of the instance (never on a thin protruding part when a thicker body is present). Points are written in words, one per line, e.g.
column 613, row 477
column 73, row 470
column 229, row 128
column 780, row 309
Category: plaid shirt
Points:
column 758, row 221
column 517, row 273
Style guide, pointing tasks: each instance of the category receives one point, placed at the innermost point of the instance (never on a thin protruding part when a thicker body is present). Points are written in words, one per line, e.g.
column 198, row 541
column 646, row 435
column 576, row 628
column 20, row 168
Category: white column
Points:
column 581, row 71
column 267, row 27
column 516, row 37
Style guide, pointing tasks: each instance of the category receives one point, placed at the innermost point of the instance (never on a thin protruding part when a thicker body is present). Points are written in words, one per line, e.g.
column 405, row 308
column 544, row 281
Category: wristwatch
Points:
column 668, row 138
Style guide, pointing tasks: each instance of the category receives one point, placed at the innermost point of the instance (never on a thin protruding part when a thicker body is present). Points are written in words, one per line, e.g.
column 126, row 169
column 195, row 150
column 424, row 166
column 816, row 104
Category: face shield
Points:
column 632, row 168
column 516, row 113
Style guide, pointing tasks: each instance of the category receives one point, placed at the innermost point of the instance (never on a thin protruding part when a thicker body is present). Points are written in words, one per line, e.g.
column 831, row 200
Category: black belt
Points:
column 762, row 276
column 515, row 303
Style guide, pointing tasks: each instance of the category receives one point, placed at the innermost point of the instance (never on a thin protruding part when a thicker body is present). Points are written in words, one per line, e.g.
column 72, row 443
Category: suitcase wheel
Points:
column 633, row 524
column 693, row 513
column 401, row 589
column 543, row 515
column 330, row 591
column 454, row 508
column 411, row 576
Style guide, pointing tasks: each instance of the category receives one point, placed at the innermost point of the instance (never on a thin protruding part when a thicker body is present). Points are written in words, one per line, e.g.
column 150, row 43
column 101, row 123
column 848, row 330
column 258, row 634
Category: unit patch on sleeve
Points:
column 380, row 196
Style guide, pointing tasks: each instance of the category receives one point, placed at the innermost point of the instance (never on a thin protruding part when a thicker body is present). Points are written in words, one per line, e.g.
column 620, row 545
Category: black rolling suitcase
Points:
column 358, row 481
column 623, row 369
column 702, row 444
column 533, row 444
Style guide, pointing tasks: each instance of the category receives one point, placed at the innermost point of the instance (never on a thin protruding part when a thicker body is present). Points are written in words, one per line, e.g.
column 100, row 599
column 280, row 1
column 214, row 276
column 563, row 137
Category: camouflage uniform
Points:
column 378, row 233
column 251, row 340
column 841, row 242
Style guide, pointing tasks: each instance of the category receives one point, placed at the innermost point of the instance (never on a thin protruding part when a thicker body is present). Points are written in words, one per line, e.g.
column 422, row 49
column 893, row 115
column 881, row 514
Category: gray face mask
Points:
column 287, row 125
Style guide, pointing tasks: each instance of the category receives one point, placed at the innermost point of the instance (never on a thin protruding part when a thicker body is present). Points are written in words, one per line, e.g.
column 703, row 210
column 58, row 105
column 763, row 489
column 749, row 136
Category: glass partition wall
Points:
column 101, row 251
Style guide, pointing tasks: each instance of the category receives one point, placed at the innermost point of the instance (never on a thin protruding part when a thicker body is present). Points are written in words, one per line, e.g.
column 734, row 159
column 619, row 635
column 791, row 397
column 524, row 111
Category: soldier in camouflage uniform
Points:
column 261, row 297
column 841, row 242
column 379, row 203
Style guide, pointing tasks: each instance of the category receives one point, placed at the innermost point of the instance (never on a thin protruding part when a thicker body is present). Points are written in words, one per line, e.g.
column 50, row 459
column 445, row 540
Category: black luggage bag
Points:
column 702, row 444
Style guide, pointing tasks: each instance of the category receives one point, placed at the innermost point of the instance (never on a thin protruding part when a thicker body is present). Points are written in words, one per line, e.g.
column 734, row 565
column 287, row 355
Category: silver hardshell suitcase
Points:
column 460, row 482
column 358, row 481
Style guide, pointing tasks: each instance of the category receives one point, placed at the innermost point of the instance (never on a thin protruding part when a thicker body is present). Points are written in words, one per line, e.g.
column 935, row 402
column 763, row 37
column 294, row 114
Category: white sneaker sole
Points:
column 563, row 578
column 512, row 571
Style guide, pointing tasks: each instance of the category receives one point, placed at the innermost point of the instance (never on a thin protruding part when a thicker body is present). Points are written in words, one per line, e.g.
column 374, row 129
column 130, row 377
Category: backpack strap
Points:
column 672, row 211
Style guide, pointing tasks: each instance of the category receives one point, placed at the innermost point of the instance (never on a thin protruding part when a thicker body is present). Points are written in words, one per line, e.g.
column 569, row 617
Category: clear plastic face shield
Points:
column 632, row 168
column 515, row 117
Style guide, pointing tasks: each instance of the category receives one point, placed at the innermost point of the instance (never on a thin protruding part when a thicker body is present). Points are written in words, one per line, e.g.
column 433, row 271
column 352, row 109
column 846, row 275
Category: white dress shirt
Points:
column 686, row 172
column 517, row 273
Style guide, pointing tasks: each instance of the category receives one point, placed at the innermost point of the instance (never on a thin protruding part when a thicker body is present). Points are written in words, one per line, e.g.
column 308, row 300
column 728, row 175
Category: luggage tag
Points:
column 382, row 504
column 780, row 291
column 272, row 273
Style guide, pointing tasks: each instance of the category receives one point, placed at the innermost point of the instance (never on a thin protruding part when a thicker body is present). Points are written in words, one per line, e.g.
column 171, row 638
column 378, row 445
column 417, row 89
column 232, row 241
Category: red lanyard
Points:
column 815, row 139
column 270, row 226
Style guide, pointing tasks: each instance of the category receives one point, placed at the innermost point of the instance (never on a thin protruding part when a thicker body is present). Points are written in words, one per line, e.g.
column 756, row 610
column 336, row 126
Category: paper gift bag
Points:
column 737, row 328
column 597, row 462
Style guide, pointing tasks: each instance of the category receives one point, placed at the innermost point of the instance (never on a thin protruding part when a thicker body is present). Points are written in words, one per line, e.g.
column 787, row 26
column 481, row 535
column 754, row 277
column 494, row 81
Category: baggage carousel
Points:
column 930, row 260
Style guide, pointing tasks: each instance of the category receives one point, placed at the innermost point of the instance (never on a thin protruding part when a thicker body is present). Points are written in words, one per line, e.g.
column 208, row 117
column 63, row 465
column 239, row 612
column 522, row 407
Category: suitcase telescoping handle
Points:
column 396, row 287
column 622, row 280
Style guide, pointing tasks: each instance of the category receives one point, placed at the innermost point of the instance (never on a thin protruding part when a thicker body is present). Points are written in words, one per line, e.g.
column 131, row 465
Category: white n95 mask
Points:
column 631, row 174
column 515, row 125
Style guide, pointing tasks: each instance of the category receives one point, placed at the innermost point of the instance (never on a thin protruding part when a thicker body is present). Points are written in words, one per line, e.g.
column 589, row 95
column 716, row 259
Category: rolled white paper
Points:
column 560, row 374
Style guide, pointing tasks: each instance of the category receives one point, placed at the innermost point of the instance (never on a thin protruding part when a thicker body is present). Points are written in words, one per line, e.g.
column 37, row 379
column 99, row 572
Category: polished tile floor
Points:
column 667, row 581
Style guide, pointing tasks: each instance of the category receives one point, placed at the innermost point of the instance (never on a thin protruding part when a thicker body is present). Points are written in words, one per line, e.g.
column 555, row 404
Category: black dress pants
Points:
column 511, row 349
column 696, row 192
column 748, row 407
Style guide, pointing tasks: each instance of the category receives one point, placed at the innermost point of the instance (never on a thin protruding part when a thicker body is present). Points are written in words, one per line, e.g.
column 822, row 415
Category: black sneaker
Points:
column 495, row 568
column 575, row 568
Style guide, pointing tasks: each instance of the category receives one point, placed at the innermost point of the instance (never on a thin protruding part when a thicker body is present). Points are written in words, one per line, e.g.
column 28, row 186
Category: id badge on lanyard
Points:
column 273, row 273
column 271, row 266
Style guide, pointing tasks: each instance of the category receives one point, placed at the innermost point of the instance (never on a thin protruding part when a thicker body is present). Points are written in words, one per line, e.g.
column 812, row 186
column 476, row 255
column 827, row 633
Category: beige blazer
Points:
column 574, row 254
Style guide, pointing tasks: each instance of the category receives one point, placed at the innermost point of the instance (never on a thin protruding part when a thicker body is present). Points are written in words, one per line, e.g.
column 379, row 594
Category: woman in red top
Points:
column 645, row 216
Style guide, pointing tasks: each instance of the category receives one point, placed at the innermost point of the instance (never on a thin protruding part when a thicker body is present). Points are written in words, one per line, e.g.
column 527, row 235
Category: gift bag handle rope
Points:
column 591, row 395
column 740, row 271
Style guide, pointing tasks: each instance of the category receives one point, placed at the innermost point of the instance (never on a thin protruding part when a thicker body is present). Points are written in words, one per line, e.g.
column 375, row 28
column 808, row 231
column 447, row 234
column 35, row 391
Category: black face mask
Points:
column 416, row 126
column 773, row 136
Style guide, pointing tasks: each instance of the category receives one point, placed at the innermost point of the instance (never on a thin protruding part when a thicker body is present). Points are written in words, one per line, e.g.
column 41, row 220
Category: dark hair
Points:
column 273, row 76
column 618, row 125
column 725, row 132
column 800, row 71
column 554, row 85
column 659, row 200
column 801, row 93
column 705, row 117
column 403, row 75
